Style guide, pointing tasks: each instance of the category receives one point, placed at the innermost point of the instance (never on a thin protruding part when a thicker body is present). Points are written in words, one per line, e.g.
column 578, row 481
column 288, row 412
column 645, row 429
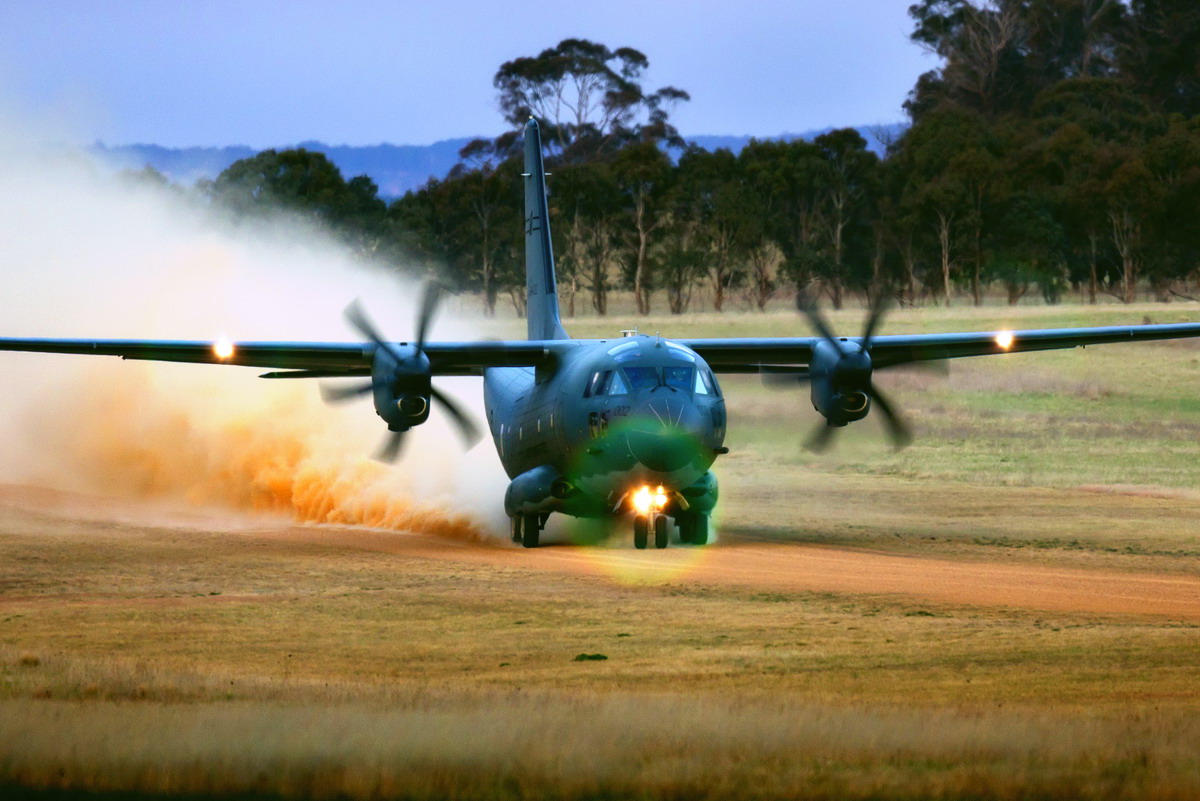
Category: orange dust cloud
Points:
column 145, row 436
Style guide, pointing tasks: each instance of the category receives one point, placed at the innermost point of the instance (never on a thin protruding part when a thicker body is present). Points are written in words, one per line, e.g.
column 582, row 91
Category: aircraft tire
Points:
column 641, row 532
column 531, row 531
column 514, row 523
column 660, row 531
column 687, row 527
column 700, row 530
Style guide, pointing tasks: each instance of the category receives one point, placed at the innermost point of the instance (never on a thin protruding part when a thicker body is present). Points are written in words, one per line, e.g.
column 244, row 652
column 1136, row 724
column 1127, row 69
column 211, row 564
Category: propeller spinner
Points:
column 401, row 380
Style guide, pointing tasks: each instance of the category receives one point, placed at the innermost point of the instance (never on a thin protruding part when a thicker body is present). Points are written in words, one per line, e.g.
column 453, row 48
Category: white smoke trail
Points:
column 84, row 253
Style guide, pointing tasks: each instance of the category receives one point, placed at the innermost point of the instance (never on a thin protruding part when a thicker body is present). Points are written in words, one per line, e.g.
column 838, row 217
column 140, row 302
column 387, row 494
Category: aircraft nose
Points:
column 665, row 432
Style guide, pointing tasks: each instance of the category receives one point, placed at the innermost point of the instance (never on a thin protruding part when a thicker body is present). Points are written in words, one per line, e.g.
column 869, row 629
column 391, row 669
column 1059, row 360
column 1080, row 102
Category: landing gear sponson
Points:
column 533, row 496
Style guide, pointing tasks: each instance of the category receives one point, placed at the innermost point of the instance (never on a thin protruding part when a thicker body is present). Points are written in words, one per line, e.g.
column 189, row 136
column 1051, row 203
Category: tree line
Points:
column 1056, row 148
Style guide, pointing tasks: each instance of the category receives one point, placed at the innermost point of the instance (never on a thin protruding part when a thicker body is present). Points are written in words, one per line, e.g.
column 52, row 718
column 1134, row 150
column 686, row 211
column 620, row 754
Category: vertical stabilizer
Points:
column 540, row 284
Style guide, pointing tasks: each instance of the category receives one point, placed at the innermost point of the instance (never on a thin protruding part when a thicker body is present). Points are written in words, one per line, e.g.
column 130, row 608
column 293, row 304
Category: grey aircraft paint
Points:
column 611, row 416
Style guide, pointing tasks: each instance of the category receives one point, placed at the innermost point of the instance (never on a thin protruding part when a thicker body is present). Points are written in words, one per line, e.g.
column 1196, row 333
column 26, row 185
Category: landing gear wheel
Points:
column 641, row 532
column 700, row 530
column 514, row 523
column 531, row 530
column 660, row 531
column 686, row 524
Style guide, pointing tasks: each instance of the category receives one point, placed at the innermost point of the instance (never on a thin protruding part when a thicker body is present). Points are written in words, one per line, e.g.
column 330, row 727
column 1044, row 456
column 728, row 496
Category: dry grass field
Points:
column 1009, row 609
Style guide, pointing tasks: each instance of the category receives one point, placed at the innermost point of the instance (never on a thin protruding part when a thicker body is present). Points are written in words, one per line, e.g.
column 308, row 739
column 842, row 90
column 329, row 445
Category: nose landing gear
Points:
column 693, row 529
column 642, row 524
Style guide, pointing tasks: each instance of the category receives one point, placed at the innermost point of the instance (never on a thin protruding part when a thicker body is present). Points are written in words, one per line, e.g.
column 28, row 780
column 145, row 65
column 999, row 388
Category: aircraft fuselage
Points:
column 612, row 416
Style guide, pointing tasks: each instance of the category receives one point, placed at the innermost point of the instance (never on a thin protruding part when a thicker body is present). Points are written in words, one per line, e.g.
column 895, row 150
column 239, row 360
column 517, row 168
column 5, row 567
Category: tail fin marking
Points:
column 544, row 321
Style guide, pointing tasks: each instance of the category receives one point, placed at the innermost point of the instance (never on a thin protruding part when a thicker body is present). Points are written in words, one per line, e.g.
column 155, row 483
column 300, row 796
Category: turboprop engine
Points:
column 840, row 377
column 841, row 382
column 401, row 388
column 401, row 380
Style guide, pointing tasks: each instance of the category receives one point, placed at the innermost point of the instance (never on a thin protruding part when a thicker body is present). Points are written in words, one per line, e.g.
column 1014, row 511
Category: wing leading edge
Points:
column 749, row 355
column 734, row 355
column 300, row 359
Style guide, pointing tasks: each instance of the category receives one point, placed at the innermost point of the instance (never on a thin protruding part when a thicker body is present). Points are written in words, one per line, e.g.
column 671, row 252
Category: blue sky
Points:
column 262, row 73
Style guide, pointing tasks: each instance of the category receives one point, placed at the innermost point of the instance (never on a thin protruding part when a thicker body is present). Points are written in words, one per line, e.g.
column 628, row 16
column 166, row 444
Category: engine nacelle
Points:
column 401, row 389
column 841, row 382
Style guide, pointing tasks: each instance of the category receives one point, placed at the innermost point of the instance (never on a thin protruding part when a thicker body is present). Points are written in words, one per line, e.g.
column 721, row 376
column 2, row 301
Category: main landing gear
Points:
column 527, row 529
column 693, row 529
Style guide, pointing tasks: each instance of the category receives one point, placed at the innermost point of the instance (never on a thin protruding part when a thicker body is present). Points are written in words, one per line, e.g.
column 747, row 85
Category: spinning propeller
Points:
column 401, row 380
column 840, row 374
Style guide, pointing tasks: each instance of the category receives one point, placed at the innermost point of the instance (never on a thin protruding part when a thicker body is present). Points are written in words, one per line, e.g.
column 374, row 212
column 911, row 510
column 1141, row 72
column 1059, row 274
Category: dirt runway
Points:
column 774, row 567
column 782, row 567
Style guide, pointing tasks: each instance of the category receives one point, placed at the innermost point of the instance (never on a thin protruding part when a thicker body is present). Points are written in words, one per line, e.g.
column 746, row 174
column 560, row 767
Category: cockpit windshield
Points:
column 678, row 377
column 642, row 377
column 622, row 381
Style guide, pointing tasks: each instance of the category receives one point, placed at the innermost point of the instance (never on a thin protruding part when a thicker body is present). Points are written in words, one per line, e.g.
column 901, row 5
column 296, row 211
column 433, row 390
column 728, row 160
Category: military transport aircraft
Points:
column 629, row 426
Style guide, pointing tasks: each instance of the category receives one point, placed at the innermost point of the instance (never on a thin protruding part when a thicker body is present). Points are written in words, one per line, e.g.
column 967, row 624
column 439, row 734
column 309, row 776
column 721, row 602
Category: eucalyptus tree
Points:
column 588, row 98
column 304, row 184
column 643, row 174
column 1158, row 53
column 848, row 184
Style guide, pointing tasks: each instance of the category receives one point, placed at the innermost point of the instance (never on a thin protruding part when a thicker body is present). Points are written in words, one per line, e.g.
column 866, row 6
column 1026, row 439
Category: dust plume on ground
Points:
column 86, row 252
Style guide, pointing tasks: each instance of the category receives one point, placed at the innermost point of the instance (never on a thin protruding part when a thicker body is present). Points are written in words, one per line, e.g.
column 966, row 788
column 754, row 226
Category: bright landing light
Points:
column 1004, row 339
column 223, row 348
column 645, row 499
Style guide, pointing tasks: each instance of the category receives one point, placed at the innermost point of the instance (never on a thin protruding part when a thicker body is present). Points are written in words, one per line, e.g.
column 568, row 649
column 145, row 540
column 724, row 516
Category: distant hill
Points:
column 395, row 168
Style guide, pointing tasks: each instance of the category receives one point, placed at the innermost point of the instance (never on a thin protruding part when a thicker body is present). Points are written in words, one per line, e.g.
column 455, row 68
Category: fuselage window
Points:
column 642, row 377
column 678, row 377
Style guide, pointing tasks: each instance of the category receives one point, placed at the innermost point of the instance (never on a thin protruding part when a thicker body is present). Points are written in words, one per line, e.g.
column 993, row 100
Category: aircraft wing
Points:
column 300, row 359
column 752, row 355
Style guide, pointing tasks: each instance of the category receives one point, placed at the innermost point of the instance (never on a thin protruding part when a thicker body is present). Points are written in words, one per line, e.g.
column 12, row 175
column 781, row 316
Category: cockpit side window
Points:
column 678, row 377
column 595, row 385
column 617, row 386
column 709, row 382
column 642, row 377
column 700, row 388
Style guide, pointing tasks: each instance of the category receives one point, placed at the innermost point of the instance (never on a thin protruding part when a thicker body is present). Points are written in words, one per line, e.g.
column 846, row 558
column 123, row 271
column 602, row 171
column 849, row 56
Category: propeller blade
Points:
column 358, row 318
column 821, row 438
column 343, row 394
column 808, row 308
column 390, row 450
column 879, row 306
column 466, row 426
column 429, row 303
column 898, row 429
